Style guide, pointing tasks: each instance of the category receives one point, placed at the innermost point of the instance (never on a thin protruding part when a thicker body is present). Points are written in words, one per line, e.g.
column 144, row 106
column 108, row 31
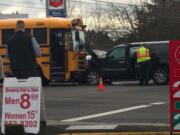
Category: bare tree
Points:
column 122, row 21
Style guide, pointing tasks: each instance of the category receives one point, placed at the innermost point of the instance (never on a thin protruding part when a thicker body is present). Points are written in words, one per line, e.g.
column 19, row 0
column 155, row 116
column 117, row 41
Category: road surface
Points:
column 125, row 104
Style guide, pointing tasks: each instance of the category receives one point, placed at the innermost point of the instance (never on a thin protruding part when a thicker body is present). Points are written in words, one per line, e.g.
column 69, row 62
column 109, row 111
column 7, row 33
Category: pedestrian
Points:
column 21, row 53
column 143, row 65
column 36, row 47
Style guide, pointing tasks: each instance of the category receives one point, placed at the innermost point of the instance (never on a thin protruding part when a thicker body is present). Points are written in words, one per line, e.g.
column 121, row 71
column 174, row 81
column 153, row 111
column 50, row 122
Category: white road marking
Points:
column 92, row 127
column 113, row 112
column 158, row 103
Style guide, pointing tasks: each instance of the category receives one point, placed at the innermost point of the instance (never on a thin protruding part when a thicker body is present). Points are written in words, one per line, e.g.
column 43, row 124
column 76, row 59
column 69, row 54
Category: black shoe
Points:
column 140, row 83
column 146, row 83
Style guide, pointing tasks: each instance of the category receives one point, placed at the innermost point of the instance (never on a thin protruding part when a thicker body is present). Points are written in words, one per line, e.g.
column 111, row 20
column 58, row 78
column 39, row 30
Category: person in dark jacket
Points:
column 21, row 54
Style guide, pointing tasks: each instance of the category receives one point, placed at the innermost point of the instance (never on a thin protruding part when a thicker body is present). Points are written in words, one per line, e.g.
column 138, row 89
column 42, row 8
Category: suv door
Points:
column 116, row 66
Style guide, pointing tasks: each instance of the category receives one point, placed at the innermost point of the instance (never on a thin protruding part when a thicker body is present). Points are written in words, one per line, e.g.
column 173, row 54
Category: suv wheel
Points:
column 92, row 77
column 160, row 76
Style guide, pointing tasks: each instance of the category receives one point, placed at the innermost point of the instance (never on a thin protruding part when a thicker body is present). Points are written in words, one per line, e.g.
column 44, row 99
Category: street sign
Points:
column 174, row 49
column 56, row 8
column 177, row 105
column 21, row 103
column 56, row 3
column 176, row 95
column 57, row 13
column 176, row 121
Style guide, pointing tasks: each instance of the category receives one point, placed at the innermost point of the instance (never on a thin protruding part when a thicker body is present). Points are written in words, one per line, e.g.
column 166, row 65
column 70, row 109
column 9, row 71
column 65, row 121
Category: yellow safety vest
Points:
column 142, row 54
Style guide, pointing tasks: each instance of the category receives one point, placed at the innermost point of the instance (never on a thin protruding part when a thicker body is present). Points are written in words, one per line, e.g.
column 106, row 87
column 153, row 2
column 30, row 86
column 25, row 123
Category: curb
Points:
column 123, row 133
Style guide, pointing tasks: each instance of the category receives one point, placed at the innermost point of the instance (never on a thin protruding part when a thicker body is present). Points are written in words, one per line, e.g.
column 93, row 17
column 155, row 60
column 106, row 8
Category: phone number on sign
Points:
column 24, row 123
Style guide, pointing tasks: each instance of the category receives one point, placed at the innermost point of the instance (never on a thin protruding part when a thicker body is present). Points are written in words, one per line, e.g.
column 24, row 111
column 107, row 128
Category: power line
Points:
column 93, row 2
column 21, row 2
column 11, row 5
column 116, row 3
column 101, row 6
column 110, row 4
column 99, row 2
column 96, row 2
column 90, row 3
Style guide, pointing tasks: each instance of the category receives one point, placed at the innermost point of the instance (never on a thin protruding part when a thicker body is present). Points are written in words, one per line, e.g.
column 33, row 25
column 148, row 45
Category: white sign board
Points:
column 21, row 103
column 1, row 69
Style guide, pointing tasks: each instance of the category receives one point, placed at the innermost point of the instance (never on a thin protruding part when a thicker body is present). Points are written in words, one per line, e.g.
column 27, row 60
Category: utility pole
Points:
column 46, row 2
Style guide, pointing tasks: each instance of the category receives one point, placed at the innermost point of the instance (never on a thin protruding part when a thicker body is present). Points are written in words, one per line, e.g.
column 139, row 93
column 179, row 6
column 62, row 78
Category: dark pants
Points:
column 144, row 71
column 25, row 73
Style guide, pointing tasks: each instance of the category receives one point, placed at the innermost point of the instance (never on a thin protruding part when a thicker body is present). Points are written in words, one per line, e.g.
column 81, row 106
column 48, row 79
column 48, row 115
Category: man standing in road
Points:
column 143, row 63
column 21, row 54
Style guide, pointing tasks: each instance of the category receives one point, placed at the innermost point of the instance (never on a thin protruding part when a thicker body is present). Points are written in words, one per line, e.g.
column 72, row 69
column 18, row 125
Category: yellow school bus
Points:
column 62, row 44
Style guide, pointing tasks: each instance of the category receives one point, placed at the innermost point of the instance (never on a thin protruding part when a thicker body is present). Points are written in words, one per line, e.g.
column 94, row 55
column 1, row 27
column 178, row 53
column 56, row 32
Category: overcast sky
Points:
column 36, row 8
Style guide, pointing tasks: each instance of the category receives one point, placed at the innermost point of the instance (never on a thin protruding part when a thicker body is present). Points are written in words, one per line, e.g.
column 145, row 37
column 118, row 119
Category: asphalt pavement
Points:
column 73, row 107
column 67, row 102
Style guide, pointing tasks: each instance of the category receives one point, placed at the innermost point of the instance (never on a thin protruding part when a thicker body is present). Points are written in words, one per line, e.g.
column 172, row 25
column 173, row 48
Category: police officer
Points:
column 21, row 53
column 143, row 64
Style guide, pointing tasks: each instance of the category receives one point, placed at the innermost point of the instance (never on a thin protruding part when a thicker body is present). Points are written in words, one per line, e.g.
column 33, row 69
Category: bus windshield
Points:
column 78, row 40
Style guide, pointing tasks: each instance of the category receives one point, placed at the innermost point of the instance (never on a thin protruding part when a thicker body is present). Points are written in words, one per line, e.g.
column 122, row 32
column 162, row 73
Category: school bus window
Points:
column 28, row 31
column 6, row 34
column 82, row 40
column 78, row 40
column 75, row 40
column 68, row 40
column 41, row 35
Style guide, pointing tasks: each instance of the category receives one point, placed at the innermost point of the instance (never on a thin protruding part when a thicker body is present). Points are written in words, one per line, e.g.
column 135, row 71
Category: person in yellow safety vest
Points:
column 143, row 61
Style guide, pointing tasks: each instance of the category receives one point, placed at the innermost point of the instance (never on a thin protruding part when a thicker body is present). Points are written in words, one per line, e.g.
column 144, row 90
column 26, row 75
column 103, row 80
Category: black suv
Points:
column 119, row 63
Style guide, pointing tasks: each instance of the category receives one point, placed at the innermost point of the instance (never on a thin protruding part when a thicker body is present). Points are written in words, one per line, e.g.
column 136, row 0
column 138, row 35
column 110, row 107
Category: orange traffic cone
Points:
column 101, row 85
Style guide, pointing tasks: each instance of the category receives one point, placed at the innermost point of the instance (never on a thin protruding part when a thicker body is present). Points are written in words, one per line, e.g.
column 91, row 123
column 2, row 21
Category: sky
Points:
column 36, row 8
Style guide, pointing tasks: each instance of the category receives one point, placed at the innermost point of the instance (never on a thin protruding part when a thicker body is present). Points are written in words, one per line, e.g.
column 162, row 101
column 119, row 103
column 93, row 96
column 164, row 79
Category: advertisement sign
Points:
column 174, row 49
column 55, row 4
column 21, row 104
column 56, row 8
column 57, row 13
